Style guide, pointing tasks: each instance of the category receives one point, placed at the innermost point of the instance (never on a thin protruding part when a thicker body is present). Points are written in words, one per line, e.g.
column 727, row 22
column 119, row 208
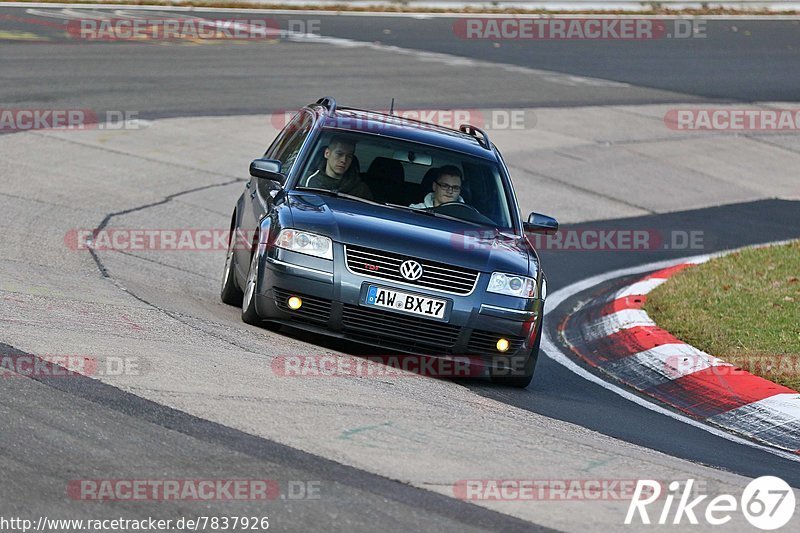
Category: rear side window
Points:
column 292, row 138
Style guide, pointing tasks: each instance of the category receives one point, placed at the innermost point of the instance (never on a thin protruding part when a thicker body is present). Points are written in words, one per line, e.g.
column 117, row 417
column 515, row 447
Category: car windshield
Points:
column 409, row 175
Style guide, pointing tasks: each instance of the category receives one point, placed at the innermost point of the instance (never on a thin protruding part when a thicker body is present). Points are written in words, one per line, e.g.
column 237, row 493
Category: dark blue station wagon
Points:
column 395, row 233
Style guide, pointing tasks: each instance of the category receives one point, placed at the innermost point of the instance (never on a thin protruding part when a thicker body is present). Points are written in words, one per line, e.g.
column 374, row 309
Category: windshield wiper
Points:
column 329, row 192
column 429, row 212
column 404, row 207
column 334, row 193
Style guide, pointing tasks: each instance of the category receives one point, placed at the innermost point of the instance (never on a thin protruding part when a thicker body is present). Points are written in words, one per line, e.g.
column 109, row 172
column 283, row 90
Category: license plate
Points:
column 405, row 302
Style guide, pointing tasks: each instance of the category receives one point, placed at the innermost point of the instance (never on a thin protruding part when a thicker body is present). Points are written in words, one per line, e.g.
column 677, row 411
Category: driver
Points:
column 446, row 188
column 337, row 172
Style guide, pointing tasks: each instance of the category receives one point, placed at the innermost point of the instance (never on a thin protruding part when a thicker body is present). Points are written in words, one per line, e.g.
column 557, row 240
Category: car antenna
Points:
column 391, row 109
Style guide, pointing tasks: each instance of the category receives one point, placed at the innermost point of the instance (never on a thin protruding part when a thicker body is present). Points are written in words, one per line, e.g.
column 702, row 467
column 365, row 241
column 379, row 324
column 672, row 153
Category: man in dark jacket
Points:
column 337, row 173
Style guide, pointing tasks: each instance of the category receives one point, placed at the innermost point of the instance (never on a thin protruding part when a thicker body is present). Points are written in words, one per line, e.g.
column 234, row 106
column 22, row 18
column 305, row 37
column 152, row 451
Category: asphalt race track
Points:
column 203, row 400
column 753, row 63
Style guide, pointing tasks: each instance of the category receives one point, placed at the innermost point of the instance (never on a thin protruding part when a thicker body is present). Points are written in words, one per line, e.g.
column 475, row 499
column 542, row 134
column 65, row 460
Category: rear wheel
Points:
column 249, row 313
column 230, row 293
column 521, row 378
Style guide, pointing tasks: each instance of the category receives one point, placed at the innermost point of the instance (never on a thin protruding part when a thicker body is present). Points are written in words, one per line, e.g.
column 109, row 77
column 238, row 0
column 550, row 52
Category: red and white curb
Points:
column 617, row 336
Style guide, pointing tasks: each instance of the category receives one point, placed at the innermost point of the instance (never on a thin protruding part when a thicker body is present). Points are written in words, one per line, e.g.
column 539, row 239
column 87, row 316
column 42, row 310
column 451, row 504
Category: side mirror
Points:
column 268, row 169
column 538, row 223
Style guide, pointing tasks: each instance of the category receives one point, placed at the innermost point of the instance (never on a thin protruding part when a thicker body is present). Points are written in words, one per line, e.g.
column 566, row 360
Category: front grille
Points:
column 485, row 343
column 386, row 265
column 313, row 309
column 402, row 332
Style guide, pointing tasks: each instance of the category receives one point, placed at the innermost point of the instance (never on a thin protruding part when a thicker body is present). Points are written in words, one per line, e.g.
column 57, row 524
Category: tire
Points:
column 230, row 293
column 249, row 313
column 522, row 379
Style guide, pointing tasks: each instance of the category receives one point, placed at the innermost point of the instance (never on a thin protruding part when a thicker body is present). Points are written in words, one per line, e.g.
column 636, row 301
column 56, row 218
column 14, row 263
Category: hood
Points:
column 410, row 233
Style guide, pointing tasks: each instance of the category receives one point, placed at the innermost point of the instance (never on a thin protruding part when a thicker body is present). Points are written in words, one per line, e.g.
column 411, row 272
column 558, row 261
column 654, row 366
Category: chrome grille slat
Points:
column 373, row 260
column 436, row 276
column 433, row 267
column 446, row 277
column 363, row 251
column 434, row 284
column 384, row 274
column 444, row 280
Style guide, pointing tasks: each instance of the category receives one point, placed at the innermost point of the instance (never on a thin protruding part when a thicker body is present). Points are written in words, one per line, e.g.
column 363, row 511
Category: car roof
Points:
column 353, row 119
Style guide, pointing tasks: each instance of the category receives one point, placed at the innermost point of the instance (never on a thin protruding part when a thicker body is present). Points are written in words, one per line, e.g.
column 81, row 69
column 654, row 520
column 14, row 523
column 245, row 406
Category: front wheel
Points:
column 521, row 378
column 249, row 313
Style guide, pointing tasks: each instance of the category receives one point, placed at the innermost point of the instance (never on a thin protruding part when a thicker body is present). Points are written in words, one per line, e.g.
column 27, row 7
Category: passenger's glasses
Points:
column 449, row 188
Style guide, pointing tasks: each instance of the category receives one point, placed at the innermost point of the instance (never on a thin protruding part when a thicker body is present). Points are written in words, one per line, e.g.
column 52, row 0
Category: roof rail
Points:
column 478, row 133
column 329, row 103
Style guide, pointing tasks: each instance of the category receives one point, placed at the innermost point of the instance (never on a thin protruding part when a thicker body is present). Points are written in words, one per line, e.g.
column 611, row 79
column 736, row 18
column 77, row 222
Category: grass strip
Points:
column 743, row 308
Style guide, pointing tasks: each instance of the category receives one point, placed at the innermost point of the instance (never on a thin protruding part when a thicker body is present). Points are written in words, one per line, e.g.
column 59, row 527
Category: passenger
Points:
column 336, row 171
column 446, row 188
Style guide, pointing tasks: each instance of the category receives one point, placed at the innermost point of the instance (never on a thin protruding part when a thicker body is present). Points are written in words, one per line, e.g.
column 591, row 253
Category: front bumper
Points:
column 333, row 299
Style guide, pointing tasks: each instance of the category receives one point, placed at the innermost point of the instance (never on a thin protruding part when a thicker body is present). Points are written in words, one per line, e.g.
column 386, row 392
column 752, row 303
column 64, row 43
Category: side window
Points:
column 289, row 146
column 285, row 134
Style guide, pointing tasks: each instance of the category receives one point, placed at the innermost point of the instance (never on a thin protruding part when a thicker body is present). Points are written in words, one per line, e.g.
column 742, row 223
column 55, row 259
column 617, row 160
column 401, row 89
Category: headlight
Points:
column 512, row 285
column 305, row 243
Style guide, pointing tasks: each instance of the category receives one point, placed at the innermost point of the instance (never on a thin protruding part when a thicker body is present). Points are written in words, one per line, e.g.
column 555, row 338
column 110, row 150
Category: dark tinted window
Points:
column 288, row 146
column 402, row 173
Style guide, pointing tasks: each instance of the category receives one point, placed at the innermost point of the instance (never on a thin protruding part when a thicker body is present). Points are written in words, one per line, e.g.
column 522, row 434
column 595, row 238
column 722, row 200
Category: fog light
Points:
column 502, row 345
column 295, row 303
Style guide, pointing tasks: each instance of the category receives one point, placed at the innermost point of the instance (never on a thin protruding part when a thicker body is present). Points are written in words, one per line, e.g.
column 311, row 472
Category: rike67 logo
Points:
column 767, row 503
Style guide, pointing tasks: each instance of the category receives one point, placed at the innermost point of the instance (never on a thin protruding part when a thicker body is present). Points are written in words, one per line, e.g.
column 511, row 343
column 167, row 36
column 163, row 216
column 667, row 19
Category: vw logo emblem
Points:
column 411, row 270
